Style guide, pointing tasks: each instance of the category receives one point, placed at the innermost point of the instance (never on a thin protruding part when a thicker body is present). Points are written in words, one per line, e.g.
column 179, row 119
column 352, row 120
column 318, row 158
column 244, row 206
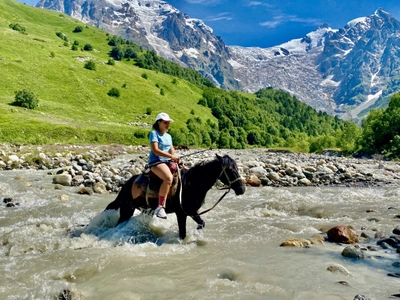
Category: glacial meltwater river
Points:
column 49, row 245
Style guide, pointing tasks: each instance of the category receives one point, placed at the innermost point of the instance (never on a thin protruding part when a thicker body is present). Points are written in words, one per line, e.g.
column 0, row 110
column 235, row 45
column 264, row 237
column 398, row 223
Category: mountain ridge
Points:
column 329, row 69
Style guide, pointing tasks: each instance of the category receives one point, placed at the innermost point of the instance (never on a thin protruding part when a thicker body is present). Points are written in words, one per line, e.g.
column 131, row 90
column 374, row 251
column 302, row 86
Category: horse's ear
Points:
column 219, row 157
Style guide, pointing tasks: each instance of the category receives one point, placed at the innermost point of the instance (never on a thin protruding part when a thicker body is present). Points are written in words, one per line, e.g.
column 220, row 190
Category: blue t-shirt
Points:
column 164, row 144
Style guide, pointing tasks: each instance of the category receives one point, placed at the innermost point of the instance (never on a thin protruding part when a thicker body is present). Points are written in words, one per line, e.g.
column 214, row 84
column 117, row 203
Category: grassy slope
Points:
column 73, row 103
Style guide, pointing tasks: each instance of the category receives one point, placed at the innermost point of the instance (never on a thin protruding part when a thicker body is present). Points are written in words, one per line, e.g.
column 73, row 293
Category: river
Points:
column 49, row 245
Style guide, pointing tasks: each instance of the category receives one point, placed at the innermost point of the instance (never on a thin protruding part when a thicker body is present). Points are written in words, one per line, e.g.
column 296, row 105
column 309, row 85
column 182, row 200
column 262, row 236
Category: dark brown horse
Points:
column 196, row 182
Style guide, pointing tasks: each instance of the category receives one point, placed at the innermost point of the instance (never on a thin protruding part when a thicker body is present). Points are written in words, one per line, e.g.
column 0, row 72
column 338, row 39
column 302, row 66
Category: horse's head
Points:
column 230, row 174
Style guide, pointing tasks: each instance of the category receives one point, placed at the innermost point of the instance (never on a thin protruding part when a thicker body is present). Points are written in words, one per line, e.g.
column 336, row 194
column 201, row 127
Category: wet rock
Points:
column 63, row 197
column 10, row 204
column 295, row 242
column 85, row 191
column 342, row 282
column 396, row 264
column 338, row 269
column 273, row 176
column 395, row 275
column 304, row 182
column 228, row 274
column 63, row 179
column 7, row 200
column 396, row 230
column 353, row 252
column 99, row 188
column 361, row 297
column 317, row 240
column 342, row 234
column 65, row 295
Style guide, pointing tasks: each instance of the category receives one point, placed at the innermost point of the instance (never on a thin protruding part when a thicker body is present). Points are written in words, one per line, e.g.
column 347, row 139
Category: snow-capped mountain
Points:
column 340, row 71
column 157, row 25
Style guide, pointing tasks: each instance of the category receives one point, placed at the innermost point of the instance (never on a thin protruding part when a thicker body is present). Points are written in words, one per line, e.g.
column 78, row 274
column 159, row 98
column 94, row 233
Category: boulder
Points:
column 295, row 242
column 273, row 176
column 100, row 188
column 253, row 181
column 305, row 182
column 63, row 179
column 353, row 252
column 338, row 269
column 342, row 234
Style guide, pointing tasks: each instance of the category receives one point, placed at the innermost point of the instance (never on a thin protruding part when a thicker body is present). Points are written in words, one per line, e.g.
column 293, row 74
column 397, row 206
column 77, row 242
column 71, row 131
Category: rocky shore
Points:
column 90, row 167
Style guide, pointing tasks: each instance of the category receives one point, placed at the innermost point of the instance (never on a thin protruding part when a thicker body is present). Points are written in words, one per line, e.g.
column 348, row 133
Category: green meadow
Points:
column 74, row 106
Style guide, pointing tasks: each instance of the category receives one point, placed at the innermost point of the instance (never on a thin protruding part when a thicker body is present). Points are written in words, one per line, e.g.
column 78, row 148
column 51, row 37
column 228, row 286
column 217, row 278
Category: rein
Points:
column 219, row 200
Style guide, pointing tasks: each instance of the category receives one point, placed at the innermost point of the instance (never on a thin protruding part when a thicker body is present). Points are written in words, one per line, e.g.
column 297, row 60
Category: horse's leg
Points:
column 181, row 224
column 200, row 222
column 113, row 205
column 126, row 211
column 123, row 195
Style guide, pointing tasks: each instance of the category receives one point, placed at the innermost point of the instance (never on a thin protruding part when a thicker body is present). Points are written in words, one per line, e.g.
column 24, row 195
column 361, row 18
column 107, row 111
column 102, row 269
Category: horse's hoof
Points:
column 201, row 226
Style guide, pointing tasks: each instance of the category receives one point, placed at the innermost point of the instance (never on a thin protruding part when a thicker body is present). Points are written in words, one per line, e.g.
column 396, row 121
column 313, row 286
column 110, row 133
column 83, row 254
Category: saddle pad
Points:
column 142, row 179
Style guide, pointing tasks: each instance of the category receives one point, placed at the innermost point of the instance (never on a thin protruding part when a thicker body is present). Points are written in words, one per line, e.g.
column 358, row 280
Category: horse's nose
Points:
column 240, row 190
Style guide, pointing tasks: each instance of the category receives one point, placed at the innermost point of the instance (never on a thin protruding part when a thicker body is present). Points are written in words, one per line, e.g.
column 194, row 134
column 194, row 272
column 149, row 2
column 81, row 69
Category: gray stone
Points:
column 305, row 182
column 338, row 269
column 99, row 188
column 273, row 176
column 353, row 252
column 63, row 179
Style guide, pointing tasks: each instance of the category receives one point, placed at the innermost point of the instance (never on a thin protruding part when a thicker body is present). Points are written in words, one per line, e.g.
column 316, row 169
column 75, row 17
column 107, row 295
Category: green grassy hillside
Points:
column 41, row 51
column 73, row 103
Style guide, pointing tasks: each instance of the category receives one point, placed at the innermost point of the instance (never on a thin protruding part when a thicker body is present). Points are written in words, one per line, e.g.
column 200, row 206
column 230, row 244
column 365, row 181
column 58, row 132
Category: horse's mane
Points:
column 198, row 170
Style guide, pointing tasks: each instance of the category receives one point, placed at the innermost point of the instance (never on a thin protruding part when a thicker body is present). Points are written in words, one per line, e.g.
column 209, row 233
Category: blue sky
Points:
column 266, row 23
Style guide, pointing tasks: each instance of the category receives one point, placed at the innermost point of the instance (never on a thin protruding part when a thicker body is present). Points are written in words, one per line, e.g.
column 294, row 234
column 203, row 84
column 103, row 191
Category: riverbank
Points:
column 90, row 166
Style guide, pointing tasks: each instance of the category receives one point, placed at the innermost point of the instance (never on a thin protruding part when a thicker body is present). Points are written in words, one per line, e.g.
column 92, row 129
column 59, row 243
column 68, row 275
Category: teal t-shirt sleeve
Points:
column 153, row 136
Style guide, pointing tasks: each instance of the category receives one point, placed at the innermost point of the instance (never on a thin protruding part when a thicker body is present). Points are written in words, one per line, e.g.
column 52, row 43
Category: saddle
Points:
column 150, row 183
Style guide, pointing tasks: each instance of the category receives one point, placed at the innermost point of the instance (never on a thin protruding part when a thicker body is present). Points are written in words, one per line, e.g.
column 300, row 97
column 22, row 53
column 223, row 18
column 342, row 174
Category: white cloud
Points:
column 219, row 17
column 204, row 2
column 281, row 19
column 259, row 3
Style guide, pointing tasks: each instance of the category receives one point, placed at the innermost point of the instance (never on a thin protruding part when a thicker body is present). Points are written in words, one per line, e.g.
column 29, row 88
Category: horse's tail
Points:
column 123, row 195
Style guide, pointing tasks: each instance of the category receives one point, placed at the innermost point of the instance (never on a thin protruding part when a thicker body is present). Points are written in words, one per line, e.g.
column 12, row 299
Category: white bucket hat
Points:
column 163, row 116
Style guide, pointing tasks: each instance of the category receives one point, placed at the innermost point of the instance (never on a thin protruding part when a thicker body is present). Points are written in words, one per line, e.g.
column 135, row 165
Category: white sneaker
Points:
column 160, row 212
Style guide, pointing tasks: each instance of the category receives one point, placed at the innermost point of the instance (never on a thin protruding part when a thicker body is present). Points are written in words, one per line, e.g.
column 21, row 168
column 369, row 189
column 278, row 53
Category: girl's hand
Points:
column 175, row 158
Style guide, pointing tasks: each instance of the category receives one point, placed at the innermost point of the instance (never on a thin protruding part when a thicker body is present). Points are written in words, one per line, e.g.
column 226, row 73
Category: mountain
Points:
column 158, row 26
column 343, row 71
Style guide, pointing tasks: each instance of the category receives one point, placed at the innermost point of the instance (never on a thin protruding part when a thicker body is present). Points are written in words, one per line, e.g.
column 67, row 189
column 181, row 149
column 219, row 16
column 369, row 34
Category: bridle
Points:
column 227, row 177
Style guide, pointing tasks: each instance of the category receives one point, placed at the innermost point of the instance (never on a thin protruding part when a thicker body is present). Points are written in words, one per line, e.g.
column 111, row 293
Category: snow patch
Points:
column 191, row 52
column 357, row 20
column 329, row 82
column 235, row 64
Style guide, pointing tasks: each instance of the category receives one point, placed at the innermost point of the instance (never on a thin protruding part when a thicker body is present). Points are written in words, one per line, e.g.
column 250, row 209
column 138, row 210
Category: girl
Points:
column 161, row 153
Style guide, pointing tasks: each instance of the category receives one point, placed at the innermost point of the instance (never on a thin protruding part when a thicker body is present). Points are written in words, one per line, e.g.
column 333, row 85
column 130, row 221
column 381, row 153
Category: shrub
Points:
column 88, row 47
column 148, row 111
column 162, row 93
column 114, row 92
column 111, row 62
column 26, row 98
column 144, row 75
column 78, row 29
column 76, row 43
column 62, row 36
column 17, row 27
column 157, row 85
column 52, row 54
column 90, row 65
column 174, row 81
column 140, row 134
column 125, row 86
column 74, row 47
